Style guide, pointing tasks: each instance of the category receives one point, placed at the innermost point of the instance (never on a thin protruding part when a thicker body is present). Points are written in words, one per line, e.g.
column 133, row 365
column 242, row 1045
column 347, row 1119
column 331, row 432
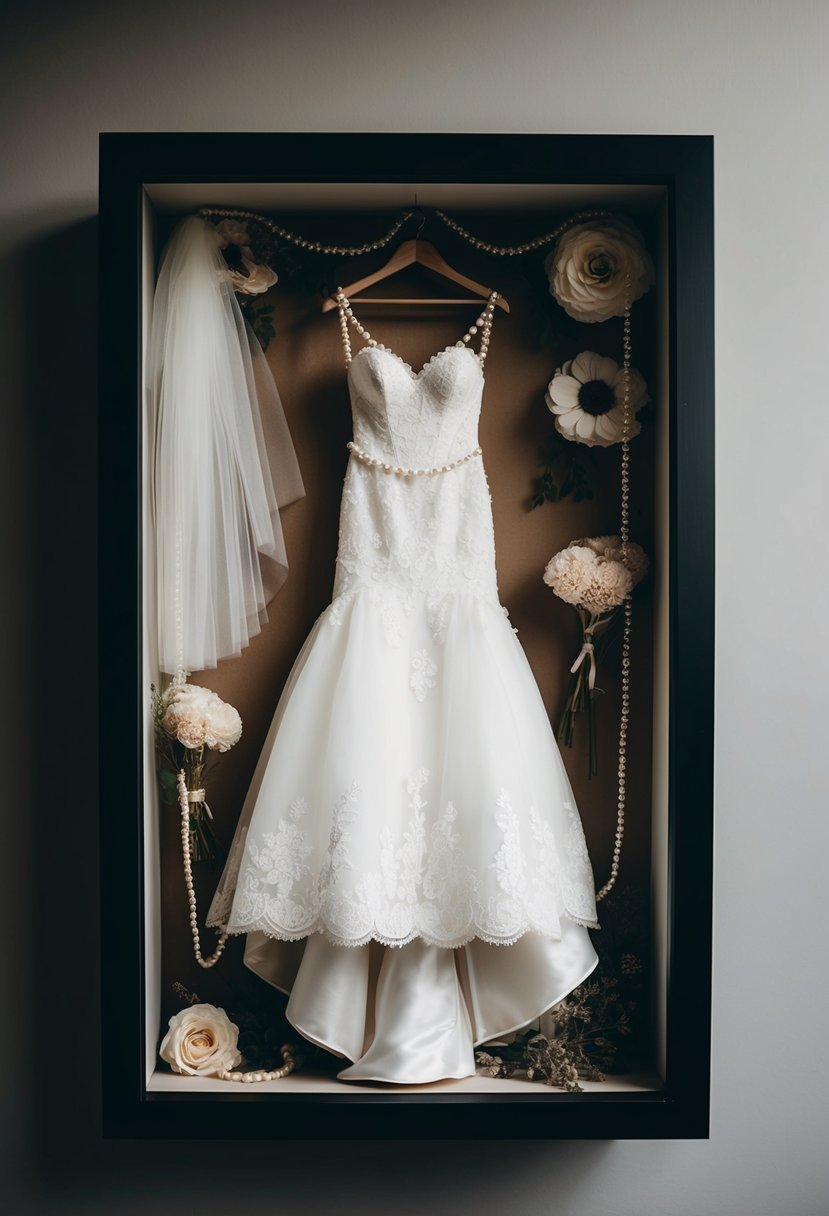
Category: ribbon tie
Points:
column 196, row 796
column 587, row 652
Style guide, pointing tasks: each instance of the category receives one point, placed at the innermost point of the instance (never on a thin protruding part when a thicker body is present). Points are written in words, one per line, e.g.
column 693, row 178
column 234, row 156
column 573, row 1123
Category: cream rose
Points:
column 201, row 1042
column 597, row 267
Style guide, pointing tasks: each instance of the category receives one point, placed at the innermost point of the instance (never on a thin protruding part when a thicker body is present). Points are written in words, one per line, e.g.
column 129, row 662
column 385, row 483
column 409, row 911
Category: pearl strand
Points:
column 346, row 336
column 184, row 799
column 624, row 536
column 374, row 463
column 272, row 1074
column 511, row 251
column 346, row 315
column 303, row 242
column 484, row 323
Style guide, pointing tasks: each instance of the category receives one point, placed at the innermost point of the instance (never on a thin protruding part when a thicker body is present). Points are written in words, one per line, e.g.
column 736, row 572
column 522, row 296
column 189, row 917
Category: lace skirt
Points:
column 410, row 864
column 409, row 790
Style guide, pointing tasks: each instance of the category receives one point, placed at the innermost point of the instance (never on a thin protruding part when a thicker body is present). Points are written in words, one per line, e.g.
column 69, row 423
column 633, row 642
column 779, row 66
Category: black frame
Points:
column 684, row 165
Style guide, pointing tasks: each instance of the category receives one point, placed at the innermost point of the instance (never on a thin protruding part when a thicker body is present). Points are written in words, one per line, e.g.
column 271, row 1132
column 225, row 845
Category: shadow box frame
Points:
column 683, row 167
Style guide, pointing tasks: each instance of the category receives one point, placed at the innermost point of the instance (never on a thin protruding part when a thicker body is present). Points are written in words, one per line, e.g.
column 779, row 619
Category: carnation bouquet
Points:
column 596, row 575
column 190, row 723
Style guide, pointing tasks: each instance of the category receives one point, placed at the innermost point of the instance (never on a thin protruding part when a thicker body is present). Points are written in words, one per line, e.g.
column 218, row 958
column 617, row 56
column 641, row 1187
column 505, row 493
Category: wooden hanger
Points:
column 422, row 253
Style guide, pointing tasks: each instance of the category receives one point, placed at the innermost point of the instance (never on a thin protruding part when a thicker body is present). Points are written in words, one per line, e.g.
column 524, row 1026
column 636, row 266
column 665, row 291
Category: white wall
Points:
column 755, row 76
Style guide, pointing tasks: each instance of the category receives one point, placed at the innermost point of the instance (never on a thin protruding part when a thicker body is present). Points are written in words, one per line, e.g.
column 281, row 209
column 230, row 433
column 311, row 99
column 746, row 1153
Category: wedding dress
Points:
column 409, row 864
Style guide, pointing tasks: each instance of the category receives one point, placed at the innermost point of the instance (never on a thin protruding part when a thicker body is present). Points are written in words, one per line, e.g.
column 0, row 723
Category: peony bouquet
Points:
column 190, row 723
column 596, row 575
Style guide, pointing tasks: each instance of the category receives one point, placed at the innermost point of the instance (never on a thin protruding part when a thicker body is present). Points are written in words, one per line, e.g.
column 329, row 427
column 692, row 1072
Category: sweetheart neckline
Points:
column 417, row 375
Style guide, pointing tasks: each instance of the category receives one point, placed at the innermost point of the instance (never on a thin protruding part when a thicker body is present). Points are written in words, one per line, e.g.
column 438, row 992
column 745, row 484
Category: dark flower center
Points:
column 600, row 267
column 596, row 397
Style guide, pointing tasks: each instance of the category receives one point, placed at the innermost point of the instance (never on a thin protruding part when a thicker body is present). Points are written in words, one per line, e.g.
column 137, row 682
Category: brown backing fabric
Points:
column 306, row 357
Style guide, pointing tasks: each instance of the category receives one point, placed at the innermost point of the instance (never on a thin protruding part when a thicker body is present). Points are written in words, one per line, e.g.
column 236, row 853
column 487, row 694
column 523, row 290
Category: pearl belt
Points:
column 374, row 463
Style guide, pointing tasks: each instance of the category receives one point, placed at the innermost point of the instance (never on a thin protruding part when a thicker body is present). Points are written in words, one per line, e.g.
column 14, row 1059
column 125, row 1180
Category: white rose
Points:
column 589, row 267
column 201, row 1042
column 224, row 726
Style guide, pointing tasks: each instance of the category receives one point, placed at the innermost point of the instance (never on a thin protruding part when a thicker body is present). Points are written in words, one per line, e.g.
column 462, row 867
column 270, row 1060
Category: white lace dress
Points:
column 409, row 863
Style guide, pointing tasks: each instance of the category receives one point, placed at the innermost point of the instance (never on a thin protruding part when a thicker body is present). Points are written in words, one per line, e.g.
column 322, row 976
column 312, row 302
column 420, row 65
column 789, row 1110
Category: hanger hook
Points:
column 422, row 220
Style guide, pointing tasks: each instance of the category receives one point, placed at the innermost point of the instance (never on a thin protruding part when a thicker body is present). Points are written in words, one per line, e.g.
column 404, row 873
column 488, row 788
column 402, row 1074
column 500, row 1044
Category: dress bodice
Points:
column 416, row 420
column 416, row 522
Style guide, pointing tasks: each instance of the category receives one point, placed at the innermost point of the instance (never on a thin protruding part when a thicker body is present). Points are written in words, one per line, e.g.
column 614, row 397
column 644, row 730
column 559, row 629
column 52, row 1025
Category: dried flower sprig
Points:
column 581, row 1040
column 593, row 1030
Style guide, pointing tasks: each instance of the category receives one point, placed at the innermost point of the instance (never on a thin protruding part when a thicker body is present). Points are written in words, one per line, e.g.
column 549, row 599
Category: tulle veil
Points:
column 223, row 462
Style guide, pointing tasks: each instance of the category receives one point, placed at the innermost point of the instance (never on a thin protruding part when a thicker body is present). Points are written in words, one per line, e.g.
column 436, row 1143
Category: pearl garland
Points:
column 374, row 463
column 185, row 798
column 368, row 246
column 511, row 251
column 302, row 242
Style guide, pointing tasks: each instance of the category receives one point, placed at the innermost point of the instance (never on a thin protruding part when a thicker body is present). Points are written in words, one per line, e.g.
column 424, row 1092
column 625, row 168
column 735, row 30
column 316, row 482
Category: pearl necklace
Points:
column 185, row 798
column 627, row 608
column 271, row 1074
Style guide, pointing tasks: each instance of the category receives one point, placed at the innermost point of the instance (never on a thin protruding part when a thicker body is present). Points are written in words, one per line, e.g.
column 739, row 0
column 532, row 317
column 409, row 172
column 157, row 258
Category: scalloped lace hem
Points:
column 375, row 935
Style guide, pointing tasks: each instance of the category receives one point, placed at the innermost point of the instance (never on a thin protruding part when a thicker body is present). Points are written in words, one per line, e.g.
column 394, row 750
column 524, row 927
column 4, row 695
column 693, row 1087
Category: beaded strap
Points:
column 483, row 323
